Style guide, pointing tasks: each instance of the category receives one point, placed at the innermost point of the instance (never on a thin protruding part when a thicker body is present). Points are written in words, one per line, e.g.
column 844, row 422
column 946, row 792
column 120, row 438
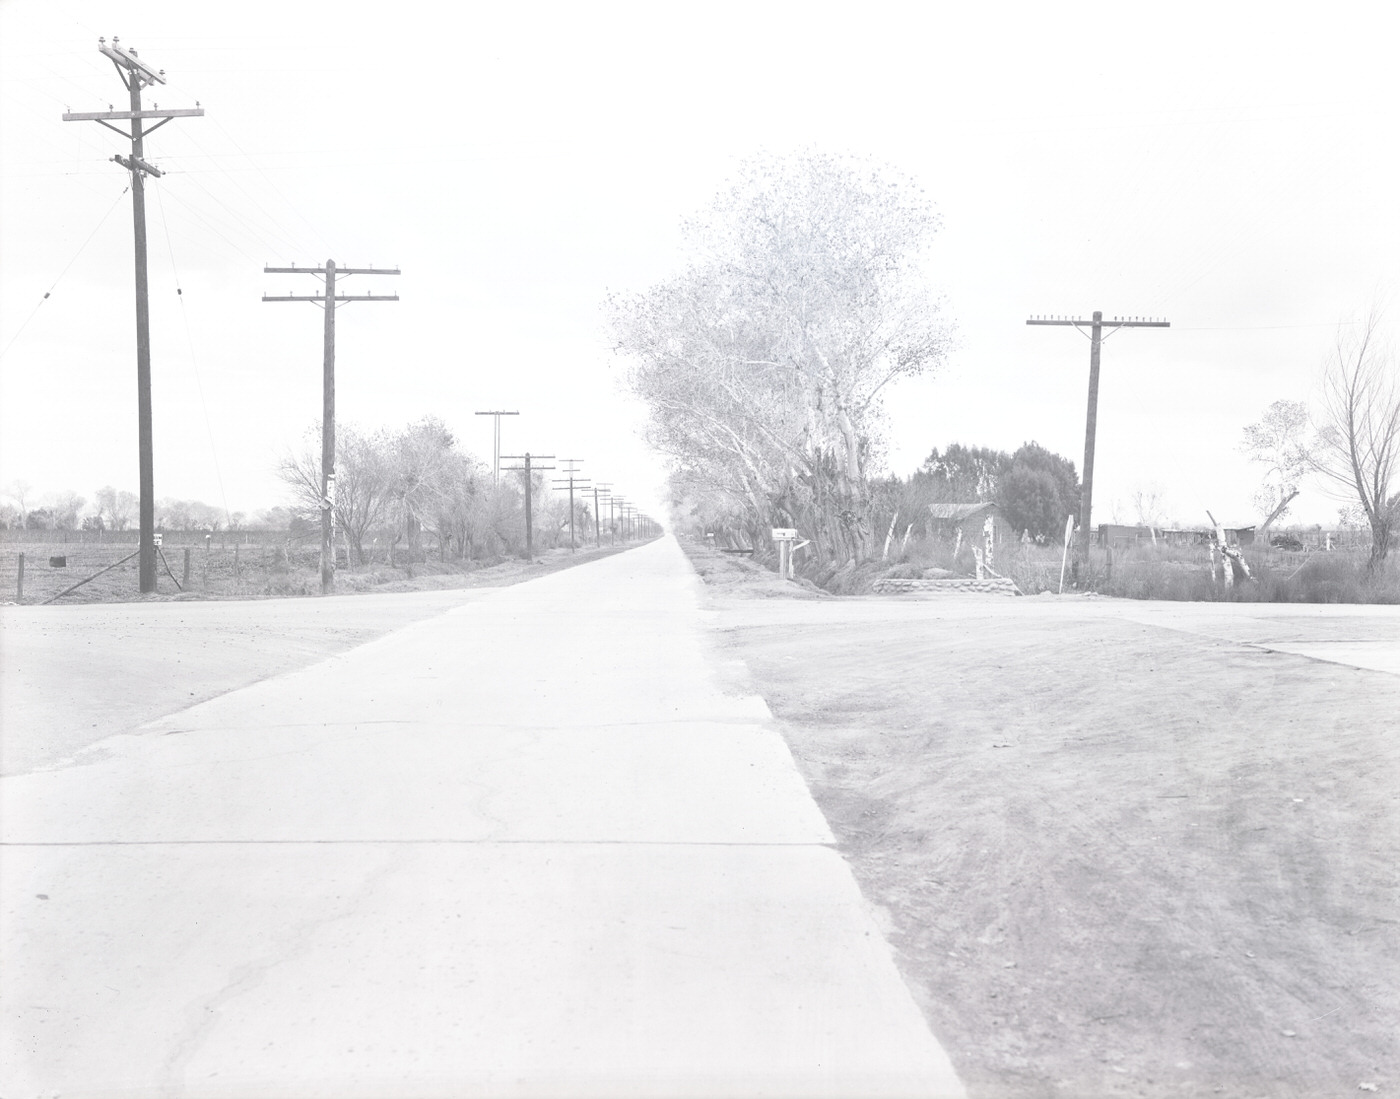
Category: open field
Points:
column 1124, row 848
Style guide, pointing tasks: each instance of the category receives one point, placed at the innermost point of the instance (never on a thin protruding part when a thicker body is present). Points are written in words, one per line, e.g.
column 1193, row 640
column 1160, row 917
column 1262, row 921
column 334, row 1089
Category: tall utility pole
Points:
column 572, row 480
column 328, row 299
column 1096, row 338
column 496, row 449
column 529, row 469
column 136, row 75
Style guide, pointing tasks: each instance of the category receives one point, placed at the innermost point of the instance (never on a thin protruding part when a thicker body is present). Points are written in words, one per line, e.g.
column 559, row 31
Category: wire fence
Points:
column 42, row 572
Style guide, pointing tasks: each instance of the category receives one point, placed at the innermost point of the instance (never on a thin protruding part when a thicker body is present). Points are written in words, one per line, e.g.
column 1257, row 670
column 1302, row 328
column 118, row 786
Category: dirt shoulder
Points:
column 72, row 675
column 1118, row 859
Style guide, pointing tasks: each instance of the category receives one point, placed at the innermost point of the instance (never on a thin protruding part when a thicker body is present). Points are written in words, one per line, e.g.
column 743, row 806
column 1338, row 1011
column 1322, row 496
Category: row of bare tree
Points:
column 402, row 486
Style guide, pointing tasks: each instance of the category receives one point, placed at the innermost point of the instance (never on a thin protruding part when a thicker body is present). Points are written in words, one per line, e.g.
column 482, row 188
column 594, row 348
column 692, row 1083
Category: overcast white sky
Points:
column 1232, row 169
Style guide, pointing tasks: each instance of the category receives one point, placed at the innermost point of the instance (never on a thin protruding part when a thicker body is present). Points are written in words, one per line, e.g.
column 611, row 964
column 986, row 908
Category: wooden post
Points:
column 19, row 583
column 185, row 583
column 236, row 573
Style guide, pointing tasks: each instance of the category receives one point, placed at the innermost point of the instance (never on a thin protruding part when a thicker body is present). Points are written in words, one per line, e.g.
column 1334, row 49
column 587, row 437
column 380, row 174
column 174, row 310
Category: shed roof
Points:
column 961, row 511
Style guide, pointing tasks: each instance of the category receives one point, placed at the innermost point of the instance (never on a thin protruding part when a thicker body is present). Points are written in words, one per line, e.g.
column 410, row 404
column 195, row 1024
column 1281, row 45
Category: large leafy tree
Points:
column 1038, row 490
column 762, row 364
column 964, row 474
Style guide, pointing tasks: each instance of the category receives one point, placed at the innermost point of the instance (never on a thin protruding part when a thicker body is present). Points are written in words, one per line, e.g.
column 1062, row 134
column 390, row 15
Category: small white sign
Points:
column 784, row 534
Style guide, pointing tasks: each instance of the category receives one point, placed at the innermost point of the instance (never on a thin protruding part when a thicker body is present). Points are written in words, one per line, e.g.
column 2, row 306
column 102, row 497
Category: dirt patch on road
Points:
column 1117, row 860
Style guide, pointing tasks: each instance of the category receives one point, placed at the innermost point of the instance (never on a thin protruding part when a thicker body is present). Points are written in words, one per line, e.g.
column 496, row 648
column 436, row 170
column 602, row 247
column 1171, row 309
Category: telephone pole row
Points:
column 1096, row 325
column 328, row 300
column 137, row 76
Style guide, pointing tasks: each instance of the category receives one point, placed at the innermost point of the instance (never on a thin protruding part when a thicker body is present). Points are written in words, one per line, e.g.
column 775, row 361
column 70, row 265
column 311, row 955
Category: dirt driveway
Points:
column 1124, row 849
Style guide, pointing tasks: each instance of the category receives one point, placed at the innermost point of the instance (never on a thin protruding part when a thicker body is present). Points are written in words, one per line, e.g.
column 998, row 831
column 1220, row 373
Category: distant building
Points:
column 1118, row 536
column 945, row 520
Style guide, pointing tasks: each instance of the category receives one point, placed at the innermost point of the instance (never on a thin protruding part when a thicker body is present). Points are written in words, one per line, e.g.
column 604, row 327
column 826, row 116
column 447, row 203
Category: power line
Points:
column 81, row 248
column 194, row 362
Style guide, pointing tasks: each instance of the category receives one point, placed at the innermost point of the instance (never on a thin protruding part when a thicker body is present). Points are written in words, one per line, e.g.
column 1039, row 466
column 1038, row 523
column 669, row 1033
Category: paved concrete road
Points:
column 531, row 846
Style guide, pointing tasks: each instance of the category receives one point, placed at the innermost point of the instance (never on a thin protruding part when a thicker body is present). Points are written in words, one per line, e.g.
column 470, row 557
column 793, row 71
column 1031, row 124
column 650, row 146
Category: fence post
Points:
column 237, row 575
column 19, row 583
column 185, row 581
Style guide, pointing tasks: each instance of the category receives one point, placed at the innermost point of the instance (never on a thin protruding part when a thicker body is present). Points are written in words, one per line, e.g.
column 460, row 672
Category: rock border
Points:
column 992, row 586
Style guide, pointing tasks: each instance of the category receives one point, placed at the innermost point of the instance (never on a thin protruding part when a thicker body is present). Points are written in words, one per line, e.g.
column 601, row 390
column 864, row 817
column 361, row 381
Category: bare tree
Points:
column 1149, row 506
column 1358, row 429
column 1279, row 441
column 762, row 366
column 363, row 488
column 65, row 507
column 115, row 508
column 20, row 491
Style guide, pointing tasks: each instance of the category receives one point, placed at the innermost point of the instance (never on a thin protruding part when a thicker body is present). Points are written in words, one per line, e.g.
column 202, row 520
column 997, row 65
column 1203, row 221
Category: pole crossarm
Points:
column 136, row 164
column 1116, row 322
column 127, row 116
column 321, row 298
column 295, row 270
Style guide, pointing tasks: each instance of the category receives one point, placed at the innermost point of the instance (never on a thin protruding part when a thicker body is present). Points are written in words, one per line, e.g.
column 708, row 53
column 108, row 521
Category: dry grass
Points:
column 1146, row 572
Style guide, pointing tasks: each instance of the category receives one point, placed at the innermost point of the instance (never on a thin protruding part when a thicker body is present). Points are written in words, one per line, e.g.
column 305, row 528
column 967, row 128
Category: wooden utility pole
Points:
column 529, row 469
column 572, row 481
column 136, row 75
column 606, row 490
column 496, row 448
column 328, row 300
column 1096, row 337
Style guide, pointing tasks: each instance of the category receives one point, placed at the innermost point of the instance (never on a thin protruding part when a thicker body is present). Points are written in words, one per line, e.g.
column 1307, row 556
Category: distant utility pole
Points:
column 328, row 300
column 496, row 449
column 1096, row 338
column 572, row 480
column 136, row 75
column 606, row 490
column 619, row 520
column 529, row 468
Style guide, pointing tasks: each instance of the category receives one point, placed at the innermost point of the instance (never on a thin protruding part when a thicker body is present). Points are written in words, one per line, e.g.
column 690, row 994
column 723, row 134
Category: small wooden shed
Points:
column 945, row 520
